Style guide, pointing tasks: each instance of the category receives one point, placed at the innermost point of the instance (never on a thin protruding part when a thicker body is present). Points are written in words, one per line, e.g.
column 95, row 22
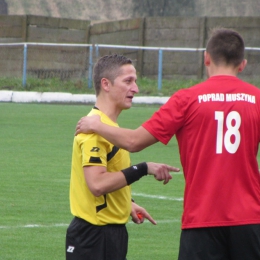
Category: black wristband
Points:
column 135, row 172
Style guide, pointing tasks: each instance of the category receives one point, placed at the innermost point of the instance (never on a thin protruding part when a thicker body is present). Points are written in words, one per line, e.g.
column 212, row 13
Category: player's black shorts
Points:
column 85, row 241
column 221, row 243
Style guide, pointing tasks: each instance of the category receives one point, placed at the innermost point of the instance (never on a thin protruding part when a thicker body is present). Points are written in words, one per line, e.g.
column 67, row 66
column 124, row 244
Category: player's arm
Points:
column 101, row 182
column 128, row 139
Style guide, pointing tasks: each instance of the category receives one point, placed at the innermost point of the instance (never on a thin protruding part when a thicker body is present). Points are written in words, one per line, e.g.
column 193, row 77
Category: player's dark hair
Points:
column 226, row 46
column 108, row 67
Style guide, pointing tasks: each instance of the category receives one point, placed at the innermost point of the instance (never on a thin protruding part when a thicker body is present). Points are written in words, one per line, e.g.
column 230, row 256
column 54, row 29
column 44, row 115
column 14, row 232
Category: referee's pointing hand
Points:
column 161, row 171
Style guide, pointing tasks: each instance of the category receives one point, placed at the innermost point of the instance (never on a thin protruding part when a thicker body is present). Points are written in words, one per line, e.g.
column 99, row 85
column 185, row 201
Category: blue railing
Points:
column 160, row 50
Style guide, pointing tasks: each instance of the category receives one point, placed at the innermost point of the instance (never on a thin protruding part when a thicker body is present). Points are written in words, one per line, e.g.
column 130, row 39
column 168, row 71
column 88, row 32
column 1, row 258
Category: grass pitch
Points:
column 36, row 145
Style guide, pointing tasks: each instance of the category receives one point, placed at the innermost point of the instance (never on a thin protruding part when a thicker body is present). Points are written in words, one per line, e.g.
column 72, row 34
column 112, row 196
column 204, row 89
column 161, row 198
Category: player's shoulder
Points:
column 186, row 94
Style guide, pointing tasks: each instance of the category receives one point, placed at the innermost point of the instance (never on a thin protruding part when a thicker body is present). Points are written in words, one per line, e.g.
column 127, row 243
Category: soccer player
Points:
column 101, row 174
column 217, row 125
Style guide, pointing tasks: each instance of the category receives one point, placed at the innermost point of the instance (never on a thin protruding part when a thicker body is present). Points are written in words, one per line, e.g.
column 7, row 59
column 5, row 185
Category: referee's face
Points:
column 124, row 87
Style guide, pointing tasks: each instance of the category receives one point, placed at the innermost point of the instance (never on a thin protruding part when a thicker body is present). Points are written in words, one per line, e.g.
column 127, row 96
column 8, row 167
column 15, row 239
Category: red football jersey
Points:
column 217, row 125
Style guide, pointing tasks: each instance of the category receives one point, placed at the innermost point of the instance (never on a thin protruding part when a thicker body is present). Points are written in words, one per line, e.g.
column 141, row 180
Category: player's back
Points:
column 219, row 157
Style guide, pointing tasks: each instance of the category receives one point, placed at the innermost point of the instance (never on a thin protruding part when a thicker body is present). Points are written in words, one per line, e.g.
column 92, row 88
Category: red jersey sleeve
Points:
column 165, row 122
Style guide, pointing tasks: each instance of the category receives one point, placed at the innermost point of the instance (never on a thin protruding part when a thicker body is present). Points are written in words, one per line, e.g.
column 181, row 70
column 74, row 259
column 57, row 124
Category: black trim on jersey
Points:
column 95, row 107
column 112, row 153
column 93, row 159
column 98, row 208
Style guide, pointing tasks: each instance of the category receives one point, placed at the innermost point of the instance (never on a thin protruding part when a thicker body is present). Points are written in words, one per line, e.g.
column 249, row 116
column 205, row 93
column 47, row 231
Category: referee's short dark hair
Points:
column 108, row 67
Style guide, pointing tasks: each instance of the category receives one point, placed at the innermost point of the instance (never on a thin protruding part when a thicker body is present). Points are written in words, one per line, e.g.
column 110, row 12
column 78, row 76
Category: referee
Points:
column 101, row 173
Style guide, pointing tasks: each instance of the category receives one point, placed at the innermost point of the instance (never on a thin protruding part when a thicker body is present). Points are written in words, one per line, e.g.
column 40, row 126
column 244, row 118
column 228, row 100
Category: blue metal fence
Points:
column 160, row 50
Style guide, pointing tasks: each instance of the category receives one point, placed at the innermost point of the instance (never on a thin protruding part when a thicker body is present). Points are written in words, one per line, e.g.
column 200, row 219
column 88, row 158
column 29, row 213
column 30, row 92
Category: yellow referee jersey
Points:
column 91, row 150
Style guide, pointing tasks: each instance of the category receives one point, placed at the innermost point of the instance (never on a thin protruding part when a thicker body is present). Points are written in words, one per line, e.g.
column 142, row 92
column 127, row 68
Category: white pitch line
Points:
column 66, row 225
column 156, row 197
column 130, row 222
column 159, row 221
column 36, row 226
column 176, row 173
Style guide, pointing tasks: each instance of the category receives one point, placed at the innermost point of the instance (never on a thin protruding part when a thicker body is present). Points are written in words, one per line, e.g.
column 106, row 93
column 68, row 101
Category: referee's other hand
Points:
column 139, row 214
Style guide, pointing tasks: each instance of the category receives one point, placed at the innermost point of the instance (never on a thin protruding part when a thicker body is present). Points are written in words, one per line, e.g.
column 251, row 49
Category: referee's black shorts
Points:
column 221, row 243
column 85, row 241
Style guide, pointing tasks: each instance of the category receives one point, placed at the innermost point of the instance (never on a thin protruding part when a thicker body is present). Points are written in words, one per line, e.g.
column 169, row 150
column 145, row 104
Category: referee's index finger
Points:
column 173, row 169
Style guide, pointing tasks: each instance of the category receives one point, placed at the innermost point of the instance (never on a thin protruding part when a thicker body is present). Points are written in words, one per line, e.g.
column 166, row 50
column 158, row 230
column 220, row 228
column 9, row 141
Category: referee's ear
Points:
column 105, row 84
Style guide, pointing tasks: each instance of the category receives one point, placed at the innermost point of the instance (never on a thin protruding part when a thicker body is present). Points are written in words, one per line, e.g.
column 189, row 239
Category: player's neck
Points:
column 225, row 71
column 108, row 109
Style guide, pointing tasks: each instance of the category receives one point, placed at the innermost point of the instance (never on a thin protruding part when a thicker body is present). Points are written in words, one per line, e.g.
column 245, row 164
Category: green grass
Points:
column 80, row 86
column 147, row 86
column 36, row 145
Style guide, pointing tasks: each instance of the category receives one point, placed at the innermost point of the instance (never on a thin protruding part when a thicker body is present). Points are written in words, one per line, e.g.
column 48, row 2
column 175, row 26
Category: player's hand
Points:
column 139, row 214
column 87, row 124
column 161, row 172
